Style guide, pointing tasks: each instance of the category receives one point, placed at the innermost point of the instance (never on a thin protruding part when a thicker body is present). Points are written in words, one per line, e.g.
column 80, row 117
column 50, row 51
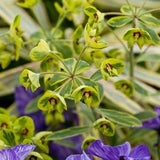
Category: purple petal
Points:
column 8, row 154
column 123, row 149
column 83, row 156
column 74, row 157
column 157, row 109
column 105, row 152
column 140, row 152
column 152, row 124
column 23, row 150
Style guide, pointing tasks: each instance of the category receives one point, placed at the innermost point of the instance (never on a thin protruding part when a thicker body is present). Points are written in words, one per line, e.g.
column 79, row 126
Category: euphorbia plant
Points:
column 73, row 76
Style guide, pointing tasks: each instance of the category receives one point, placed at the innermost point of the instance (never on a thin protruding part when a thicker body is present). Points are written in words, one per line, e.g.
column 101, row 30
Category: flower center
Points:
column 25, row 132
column 108, row 67
column 121, row 158
column 95, row 16
column 104, row 126
column 87, row 94
column 52, row 101
column 125, row 85
column 94, row 38
column 4, row 125
column 137, row 34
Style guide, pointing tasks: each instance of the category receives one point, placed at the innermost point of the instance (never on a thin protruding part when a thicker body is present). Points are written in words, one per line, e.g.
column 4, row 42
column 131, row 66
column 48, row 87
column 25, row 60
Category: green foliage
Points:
column 120, row 118
column 87, row 94
column 29, row 80
column 125, row 86
column 106, row 127
column 51, row 101
column 28, row 3
column 111, row 67
column 69, row 132
column 138, row 36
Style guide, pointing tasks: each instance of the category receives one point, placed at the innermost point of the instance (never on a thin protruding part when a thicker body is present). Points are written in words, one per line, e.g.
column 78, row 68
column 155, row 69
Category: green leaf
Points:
column 126, row 9
column 151, row 20
column 136, row 35
column 140, row 89
column 152, row 33
column 27, row 3
column 67, row 90
column 5, row 59
column 106, row 127
column 121, row 118
column 30, row 79
column 82, row 66
column 111, row 67
column 69, row 132
column 119, row 21
column 57, row 78
column 146, row 115
column 70, row 62
column 39, row 52
column 51, row 101
column 77, row 35
column 96, row 76
column 32, row 106
column 151, row 57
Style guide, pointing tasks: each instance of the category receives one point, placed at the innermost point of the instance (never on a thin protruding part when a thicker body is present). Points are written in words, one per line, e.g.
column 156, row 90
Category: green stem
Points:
column 116, row 36
column 60, row 20
column 131, row 57
column 78, row 60
column 144, row 3
column 43, row 29
column 61, row 60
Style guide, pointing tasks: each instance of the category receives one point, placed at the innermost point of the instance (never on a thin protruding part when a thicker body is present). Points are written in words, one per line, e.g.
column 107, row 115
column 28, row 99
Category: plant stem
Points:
column 116, row 36
column 131, row 57
column 59, row 22
column 61, row 60
column 79, row 58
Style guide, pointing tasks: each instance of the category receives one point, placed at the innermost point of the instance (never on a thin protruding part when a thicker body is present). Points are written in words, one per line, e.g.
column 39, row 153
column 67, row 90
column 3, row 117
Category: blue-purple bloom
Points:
column 19, row 152
column 153, row 123
column 83, row 156
column 22, row 98
column 120, row 152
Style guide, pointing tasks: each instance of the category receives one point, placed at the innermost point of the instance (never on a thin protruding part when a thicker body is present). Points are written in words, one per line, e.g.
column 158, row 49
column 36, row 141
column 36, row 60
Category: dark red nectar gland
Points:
column 94, row 38
column 108, row 67
column 4, row 125
column 87, row 94
column 95, row 16
column 25, row 132
column 33, row 158
column 52, row 100
column 77, row 41
column 17, row 31
column 137, row 34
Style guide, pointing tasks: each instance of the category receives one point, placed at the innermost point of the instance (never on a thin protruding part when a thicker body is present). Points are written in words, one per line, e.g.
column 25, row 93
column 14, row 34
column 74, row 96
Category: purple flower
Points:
column 22, row 99
column 19, row 152
column 121, row 152
column 153, row 123
column 83, row 156
column 57, row 149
